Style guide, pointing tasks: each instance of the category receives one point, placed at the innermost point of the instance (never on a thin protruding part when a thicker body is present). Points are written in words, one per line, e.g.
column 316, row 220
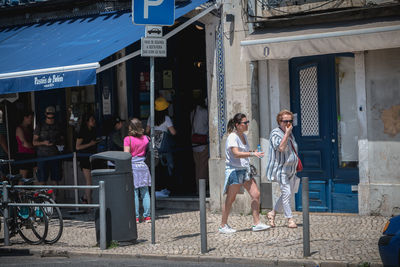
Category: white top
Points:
column 233, row 140
column 200, row 124
column 163, row 126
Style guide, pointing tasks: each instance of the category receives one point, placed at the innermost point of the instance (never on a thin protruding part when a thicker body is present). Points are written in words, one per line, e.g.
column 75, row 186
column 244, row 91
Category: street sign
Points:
column 154, row 12
column 154, row 47
column 153, row 31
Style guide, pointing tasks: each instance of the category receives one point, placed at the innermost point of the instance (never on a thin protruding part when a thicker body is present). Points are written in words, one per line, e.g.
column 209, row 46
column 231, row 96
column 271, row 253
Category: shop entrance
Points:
column 181, row 79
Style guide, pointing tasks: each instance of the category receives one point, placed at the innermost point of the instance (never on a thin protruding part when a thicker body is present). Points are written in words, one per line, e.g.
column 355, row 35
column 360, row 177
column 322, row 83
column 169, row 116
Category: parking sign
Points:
column 154, row 12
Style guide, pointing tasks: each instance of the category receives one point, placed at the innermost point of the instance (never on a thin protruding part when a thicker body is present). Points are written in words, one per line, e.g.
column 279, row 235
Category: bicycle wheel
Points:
column 54, row 217
column 32, row 224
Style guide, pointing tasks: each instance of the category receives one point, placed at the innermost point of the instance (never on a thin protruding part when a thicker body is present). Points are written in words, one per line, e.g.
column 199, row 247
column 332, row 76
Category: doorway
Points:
column 323, row 99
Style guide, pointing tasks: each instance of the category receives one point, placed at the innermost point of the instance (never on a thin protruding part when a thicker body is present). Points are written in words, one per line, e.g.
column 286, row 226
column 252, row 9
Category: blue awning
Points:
column 65, row 53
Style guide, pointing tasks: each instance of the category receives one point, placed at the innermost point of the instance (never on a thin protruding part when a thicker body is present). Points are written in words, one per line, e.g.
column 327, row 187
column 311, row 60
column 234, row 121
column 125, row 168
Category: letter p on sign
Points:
column 148, row 3
column 153, row 12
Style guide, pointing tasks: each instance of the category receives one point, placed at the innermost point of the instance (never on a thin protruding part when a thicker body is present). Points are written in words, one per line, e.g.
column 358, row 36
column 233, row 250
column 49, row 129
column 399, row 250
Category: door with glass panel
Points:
column 323, row 100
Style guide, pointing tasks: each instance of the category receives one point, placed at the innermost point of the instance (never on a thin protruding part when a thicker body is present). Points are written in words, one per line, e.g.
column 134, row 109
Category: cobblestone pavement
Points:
column 336, row 238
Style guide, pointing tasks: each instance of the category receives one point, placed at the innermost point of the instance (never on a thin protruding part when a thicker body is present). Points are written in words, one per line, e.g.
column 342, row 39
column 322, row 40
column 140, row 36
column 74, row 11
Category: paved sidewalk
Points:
column 336, row 240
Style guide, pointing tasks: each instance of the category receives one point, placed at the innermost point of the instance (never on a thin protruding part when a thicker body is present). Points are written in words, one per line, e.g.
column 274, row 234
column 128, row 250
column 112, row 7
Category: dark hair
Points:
column 85, row 119
column 159, row 117
column 236, row 119
column 27, row 113
column 135, row 128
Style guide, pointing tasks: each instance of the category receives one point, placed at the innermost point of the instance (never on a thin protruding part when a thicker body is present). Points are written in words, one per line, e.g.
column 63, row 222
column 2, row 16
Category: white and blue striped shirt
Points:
column 281, row 166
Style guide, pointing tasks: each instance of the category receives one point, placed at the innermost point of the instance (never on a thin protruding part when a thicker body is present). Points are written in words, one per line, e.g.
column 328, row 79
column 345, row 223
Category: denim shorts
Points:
column 235, row 176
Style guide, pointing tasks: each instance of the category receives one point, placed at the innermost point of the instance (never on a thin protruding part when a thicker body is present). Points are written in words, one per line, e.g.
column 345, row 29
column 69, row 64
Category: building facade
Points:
column 335, row 65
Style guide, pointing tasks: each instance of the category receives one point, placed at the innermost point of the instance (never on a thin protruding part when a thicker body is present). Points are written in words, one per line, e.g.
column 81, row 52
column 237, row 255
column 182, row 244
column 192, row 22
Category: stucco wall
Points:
column 240, row 96
column 380, row 195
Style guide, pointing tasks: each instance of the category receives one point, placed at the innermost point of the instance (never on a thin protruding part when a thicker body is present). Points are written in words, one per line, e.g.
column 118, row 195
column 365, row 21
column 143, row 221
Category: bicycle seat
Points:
column 14, row 178
column 27, row 181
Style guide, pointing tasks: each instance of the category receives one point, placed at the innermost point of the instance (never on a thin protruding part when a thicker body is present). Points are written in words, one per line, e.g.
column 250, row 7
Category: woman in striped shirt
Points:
column 281, row 165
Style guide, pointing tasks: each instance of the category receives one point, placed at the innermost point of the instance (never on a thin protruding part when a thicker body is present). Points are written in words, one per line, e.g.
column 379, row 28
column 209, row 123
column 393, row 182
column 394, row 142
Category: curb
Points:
column 204, row 258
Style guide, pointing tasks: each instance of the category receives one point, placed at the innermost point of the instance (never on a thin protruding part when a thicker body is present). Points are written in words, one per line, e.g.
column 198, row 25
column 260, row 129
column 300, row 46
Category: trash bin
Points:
column 120, row 202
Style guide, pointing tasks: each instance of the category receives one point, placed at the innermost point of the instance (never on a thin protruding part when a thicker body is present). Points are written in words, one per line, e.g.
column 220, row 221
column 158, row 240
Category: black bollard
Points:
column 306, row 217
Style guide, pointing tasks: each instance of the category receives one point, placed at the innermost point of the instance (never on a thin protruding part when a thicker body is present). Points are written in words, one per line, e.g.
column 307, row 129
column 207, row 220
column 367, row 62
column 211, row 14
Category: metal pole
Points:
column 203, row 218
column 153, row 180
column 5, row 214
column 102, row 202
column 75, row 166
column 306, row 217
column 8, row 139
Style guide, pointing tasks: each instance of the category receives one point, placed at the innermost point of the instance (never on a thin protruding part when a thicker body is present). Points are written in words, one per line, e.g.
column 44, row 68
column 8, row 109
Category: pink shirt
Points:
column 137, row 145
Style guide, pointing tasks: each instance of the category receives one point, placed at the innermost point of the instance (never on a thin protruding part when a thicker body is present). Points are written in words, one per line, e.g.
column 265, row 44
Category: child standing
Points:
column 136, row 143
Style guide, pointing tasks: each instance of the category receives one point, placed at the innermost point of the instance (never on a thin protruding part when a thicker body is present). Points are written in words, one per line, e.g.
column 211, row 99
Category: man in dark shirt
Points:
column 116, row 137
column 46, row 136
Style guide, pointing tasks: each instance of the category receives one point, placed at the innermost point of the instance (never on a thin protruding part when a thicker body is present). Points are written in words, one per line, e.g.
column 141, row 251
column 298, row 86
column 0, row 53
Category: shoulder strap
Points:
column 290, row 140
column 293, row 148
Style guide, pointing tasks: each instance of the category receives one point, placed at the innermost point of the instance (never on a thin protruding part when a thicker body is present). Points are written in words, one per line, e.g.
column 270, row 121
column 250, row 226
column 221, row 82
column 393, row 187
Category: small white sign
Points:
column 154, row 47
column 153, row 31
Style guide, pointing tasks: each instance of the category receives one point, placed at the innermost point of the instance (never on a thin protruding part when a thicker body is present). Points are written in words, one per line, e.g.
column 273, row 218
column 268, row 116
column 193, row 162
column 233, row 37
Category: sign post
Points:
column 153, row 14
column 11, row 98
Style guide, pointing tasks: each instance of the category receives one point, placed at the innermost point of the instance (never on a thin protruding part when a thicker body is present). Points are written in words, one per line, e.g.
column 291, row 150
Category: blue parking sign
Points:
column 153, row 12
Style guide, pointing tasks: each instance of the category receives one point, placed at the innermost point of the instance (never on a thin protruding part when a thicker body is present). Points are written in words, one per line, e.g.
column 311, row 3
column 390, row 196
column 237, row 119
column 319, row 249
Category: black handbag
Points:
column 166, row 143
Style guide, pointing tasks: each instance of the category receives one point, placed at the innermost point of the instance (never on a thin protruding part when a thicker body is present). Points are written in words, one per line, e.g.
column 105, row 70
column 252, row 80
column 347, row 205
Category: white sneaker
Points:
column 260, row 227
column 226, row 229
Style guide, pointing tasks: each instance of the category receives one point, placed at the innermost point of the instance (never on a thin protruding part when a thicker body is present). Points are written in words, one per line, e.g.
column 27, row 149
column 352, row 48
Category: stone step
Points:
column 180, row 203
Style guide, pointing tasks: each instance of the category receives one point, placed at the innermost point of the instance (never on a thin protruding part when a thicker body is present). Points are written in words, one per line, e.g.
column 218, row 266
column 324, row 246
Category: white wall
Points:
column 379, row 192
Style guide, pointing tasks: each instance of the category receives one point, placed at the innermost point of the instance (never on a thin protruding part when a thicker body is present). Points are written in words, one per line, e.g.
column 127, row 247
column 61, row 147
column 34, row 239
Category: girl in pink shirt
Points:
column 136, row 143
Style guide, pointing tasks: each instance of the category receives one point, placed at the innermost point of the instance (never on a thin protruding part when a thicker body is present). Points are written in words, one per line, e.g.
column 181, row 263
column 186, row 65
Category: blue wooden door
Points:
column 315, row 101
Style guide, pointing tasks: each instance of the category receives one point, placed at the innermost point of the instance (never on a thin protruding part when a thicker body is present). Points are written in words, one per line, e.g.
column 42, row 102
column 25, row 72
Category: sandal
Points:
column 271, row 218
column 292, row 224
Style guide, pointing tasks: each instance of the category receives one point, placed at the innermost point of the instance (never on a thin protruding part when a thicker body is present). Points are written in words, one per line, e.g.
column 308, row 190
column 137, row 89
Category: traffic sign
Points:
column 154, row 47
column 153, row 31
column 154, row 12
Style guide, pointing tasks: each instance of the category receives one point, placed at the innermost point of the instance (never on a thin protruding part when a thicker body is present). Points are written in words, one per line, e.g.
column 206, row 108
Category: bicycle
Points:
column 53, row 214
column 29, row 222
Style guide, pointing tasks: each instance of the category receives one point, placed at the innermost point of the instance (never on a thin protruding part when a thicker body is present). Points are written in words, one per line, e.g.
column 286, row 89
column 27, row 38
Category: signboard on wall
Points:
column 106, row 96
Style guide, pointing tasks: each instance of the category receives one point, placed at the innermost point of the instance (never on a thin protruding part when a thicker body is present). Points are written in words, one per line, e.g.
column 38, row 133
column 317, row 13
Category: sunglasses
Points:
column 285, row 121
column 245, row 122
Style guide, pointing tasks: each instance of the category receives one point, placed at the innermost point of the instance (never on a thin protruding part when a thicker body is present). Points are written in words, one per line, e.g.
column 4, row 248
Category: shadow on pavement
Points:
column 14, row 252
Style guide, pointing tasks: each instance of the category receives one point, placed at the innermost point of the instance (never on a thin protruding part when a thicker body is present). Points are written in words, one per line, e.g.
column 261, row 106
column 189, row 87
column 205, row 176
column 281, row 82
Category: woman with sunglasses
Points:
column 281, row 165
column 237, row 173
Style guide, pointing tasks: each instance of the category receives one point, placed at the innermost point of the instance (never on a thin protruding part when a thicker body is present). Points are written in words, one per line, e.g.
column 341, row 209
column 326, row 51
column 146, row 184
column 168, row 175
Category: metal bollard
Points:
column 5, row 214
column 102, row 202
column 306, row 217
column 203, row 218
